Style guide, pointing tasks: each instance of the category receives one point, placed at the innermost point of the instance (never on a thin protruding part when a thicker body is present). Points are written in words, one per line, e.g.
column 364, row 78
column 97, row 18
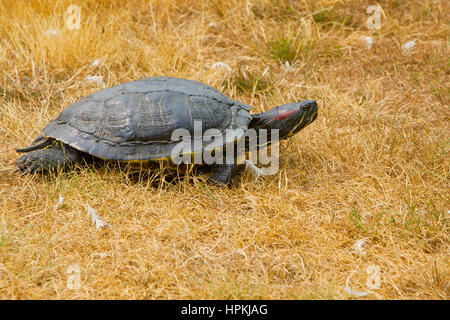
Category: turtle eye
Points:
column 308, row 105
column 306, row 108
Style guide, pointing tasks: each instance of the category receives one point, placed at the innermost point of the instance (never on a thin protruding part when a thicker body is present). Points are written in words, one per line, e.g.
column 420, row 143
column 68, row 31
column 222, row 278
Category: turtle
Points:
column 135, row 122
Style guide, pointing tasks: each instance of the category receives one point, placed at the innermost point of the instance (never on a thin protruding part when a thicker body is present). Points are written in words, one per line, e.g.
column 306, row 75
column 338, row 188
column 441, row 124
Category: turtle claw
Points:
column 28, row 163
column 26, row 171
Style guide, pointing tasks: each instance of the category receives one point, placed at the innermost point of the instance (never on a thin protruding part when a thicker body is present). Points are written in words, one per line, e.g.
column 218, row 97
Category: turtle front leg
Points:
column 49, row 159
column 222, row 174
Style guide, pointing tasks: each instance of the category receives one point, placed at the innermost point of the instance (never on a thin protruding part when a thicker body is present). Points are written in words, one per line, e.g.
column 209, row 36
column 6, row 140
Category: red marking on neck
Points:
column 281, row 115
column 284, row 114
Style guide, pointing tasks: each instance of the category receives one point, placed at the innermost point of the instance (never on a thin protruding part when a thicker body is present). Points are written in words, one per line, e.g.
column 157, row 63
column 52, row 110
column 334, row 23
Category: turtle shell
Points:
column 135, row 120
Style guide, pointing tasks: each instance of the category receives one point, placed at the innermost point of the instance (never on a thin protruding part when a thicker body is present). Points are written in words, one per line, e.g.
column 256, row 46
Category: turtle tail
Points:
column 40, row 143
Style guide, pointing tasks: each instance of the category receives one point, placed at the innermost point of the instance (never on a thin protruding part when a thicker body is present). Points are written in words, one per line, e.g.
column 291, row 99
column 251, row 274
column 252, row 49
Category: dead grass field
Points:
column 373, row 166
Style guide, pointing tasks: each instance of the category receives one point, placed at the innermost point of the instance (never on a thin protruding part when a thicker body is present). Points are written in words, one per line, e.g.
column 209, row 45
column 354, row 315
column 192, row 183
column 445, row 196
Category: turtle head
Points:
column 288, row 119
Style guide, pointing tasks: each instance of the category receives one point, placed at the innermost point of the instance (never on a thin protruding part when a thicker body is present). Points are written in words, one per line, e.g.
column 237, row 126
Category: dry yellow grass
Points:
column 373, row 166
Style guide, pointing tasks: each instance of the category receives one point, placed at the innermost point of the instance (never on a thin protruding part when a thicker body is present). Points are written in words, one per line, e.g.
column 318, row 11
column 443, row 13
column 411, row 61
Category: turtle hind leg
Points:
column 49, row 159
column 222, row 174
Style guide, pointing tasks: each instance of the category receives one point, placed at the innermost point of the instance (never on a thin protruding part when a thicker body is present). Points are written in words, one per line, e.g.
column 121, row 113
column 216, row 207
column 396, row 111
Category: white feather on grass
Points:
column 369, row 42
column 289, row 67
column 60, row 202
column 96, row 62
column 219, row 65
column 408, row 47
column 99, row 223
column 358, row 246
column 52, row 32
column 96, row 79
